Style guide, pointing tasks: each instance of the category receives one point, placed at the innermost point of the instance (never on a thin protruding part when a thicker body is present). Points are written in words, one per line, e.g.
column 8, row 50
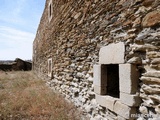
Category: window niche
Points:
column 50, row 67
column 113, row 80
column 116, row 82
column 50, row 10
column 107, row 80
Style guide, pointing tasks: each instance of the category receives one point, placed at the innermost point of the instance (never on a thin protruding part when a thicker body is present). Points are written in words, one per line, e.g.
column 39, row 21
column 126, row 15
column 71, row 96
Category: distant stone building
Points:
column 20, row 64
column 103, row 55
column 16, row 65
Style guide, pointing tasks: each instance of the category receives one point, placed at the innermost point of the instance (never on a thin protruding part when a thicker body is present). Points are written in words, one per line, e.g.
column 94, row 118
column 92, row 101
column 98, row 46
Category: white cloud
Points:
column 19, row 6
column 18, row 23
column 15, row 43
column 11, row 11
column 11, row 54
column 14, row 34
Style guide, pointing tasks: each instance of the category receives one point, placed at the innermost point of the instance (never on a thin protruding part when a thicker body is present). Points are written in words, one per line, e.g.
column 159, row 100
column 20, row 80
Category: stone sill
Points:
column 116, row 105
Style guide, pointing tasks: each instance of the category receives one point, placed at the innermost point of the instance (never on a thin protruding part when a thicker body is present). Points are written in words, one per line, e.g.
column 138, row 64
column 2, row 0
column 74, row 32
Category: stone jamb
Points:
column 50, row 67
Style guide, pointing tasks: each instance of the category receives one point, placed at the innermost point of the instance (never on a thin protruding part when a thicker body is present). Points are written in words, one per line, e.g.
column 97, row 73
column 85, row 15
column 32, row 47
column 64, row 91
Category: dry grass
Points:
column 24, row 96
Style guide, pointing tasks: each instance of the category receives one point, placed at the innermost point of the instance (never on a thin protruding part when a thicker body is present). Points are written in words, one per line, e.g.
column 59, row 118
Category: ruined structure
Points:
column 16, row 65
column 103, row 55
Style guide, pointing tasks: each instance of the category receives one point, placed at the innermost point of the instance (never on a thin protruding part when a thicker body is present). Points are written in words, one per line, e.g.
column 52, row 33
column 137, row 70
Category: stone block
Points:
column 128, row 78
column 124, row 110
column 130, row 100
column 151, row 19
column 120, row 118
column 112, row 54
column 100, row 100
column 100, row 75
column 101, row 90
column 106, row 101
column 110, row 101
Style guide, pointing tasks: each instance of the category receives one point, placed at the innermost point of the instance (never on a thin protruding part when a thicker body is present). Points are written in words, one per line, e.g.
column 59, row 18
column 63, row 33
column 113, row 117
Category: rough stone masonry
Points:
column 120, row 39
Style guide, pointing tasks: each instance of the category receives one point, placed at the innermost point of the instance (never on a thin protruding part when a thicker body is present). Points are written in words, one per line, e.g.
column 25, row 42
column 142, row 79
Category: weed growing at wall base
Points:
column 24, row 96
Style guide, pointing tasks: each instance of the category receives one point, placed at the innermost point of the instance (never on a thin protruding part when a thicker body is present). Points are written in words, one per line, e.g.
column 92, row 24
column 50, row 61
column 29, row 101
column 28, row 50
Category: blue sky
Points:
column 19, row 20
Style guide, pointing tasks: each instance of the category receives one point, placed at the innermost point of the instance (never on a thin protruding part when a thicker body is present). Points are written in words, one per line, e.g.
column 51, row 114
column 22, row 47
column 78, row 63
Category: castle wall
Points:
column 71, row 34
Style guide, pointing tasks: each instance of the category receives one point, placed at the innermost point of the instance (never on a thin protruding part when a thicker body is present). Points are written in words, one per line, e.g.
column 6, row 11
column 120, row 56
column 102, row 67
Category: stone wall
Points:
column 71, row 34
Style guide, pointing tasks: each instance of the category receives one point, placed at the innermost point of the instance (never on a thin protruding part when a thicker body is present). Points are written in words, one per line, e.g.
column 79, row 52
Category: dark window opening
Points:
column 50, row 10
column 110, row 73
column 113, row 80
column 49, row 66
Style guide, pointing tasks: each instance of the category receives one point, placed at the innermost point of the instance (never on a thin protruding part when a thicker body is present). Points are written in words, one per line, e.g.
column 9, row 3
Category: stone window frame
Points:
column 50, row 10
column 50, row 65
column 38, row 35
column 34, row 47
column 40, row 68
column 129, row 99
